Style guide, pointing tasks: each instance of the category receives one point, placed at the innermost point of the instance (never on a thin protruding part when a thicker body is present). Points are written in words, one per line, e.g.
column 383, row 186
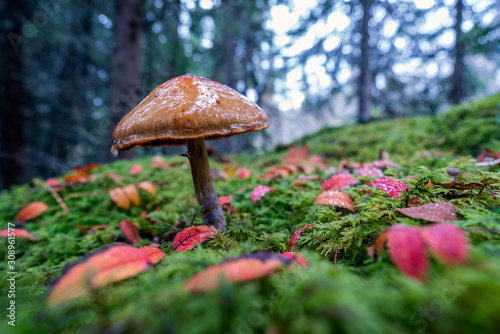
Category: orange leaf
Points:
column 147, row 186
column 132, row 194
column 189, row 237
column 433, row 212
column 407, row 250
column 120, row 198
column 153, row 252
column 111, row 264
column 18, row 233
column 448, row 243
column 130, row 231
column 295, row 237
column 375, row 250
column 242, row 269
column 135, row 169
column 334, row 198
column 31, row 211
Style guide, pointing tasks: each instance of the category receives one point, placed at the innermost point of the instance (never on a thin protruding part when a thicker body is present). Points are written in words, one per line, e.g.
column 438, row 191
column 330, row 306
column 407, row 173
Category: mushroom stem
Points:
column 203, row 184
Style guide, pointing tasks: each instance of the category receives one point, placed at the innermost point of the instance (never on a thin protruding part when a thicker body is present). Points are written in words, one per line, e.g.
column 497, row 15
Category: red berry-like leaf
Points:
column 447, row 242
column 407, row 250
column 153, row 252
column 189, row 237
column 225, row 199
column 31, row 211
column 334, row 198
column 339, row 181
column 242, row 269
column 392, row 187
column 297, row 259
column 433, row 212
column 367, row 171
column 111, row 264
column 260, row 191
column 295, row 237
column 130, row 231
column 18, row 233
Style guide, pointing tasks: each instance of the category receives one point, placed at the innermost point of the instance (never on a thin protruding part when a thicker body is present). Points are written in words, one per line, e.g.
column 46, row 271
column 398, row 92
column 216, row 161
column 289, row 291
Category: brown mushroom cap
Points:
column 187, row 107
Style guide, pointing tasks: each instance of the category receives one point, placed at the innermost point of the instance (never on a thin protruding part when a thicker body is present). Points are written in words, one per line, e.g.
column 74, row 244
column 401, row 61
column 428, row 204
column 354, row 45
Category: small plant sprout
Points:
column 186, row 110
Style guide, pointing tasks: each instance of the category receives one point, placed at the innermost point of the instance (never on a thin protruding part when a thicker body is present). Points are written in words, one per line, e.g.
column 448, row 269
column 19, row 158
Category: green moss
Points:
column 342, row 291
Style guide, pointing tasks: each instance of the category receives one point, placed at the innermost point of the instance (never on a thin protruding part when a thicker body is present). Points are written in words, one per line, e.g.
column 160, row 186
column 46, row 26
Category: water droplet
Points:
column 114, row 151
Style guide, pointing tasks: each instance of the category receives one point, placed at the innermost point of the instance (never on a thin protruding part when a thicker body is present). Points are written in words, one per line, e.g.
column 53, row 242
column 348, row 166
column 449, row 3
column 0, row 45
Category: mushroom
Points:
column 186, row 110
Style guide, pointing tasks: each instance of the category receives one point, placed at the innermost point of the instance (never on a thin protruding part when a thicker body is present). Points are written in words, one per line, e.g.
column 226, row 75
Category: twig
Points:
column 488, row 163
column 54, row 194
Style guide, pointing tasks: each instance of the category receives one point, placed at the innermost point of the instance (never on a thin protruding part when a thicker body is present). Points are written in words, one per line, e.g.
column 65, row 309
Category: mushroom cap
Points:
column 187, row 107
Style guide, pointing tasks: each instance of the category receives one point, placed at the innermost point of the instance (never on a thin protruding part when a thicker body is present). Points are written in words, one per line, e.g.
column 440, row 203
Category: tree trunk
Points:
column 458, row 78
column 13, row 95
column 126, row 90
column 365, row 77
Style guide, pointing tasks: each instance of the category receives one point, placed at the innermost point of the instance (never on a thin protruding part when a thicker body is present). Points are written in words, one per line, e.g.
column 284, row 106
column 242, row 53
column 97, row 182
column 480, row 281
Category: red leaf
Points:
column 120, row 198
column 297, row 155
column 260, row 191
column 392, row 187
column 339, row 181
column 447, row 242
column 242, row 269
column 334, row 198
column 189, row 237
column 433, row 212
column 407, row 250
column 367, row 171
column 299, row 261
column 158, row 162
column 18, row 233
column 115, row 177
column 295, row 237
column 153, row 252
column 135, row 169
column 31, row 211
column 130, row 231
column 53, row 183
column 225, row 199
column 147, row 186
column 243, row 173
column 111, row 264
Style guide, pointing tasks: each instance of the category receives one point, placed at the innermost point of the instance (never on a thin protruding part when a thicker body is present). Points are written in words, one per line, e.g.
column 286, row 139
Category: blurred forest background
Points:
column 71, row 69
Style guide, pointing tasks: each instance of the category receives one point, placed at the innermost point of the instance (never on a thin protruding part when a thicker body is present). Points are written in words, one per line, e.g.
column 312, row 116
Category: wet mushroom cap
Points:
column 187, row 107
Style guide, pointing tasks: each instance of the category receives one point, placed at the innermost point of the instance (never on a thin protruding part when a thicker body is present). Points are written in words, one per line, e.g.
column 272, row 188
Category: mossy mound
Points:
column 343, row 290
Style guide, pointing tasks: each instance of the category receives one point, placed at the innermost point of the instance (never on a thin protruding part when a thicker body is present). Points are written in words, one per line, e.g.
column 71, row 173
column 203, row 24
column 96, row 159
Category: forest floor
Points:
column 422, row 183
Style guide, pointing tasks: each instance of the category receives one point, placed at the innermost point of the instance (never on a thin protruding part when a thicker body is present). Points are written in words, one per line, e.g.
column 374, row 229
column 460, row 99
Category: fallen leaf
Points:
column 339, row 181
column 18, row 233
column 367, row 171
column 132, row 194
column 242, row 269
column 296, row 155
column 158, row 162
column 433, row 212
column 53, row 183
column 31, row 211
column 407, row 250
column 153, row 252
column 120, row 198
column 447, row 242
column 392, row 187
column 243, row 173
column 295, row 237
column 115, row 177
column 111, row 264
column 130, row 231
column 335, row 198
column 189, row 237
column 147, row 186
column 135, row 169
column 225, row 199
column 375, row 250
column 259, row 191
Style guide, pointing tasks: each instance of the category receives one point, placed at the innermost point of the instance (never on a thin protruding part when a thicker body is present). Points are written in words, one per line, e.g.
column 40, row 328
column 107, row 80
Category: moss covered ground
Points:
column 342, row 290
